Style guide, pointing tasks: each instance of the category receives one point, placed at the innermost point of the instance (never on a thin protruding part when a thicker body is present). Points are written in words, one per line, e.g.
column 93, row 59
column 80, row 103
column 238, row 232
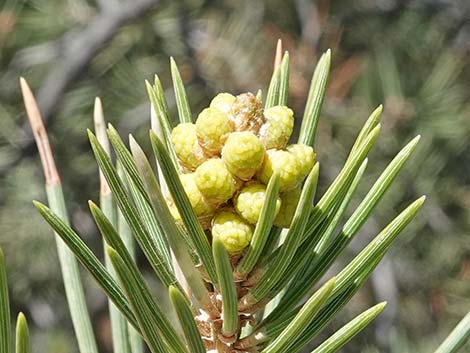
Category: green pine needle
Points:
column 301, row 320
column 227, row 288
column 185, row 316
column 348, row 331
column 131, row 215
column 182, row 102
column 88, row 259
column 190, row 220
column 457, row 338
column 262, row 230
column 5, row 326
column 138, row 300
column 315, row 99
column 22, row 335
column 293, row 238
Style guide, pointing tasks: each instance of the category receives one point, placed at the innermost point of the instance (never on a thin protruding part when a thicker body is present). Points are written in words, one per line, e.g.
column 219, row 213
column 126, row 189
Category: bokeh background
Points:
column 410, row 55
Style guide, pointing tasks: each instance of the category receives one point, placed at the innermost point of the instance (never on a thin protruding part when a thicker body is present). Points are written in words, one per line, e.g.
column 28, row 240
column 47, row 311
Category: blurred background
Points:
column 410, row 55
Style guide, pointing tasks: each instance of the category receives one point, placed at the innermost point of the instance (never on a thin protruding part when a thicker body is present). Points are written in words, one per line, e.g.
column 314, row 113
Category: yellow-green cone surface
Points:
column 243, row 154
column 198, row 202
column 223, row 102
column 250, row 200
column 289, row 201
column 283, row 162
column 247, row 113
column 174, row 210
column 200, row 205
column 214, row 181
column 276, row 131
column 212, row 128
column 229, row 155
column 305, row 157
column 232, row 230
column 184, row 139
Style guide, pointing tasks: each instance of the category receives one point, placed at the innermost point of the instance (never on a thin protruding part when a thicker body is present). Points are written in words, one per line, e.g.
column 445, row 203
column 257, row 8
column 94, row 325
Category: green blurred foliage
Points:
column 409, row 55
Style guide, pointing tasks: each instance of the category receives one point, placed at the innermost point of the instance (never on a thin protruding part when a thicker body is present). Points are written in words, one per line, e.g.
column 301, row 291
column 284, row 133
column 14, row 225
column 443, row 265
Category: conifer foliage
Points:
column 229, row 221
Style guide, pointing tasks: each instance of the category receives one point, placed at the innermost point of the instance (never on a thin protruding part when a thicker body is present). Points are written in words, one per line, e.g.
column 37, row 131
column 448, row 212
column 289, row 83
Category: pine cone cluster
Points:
column 228, row 157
